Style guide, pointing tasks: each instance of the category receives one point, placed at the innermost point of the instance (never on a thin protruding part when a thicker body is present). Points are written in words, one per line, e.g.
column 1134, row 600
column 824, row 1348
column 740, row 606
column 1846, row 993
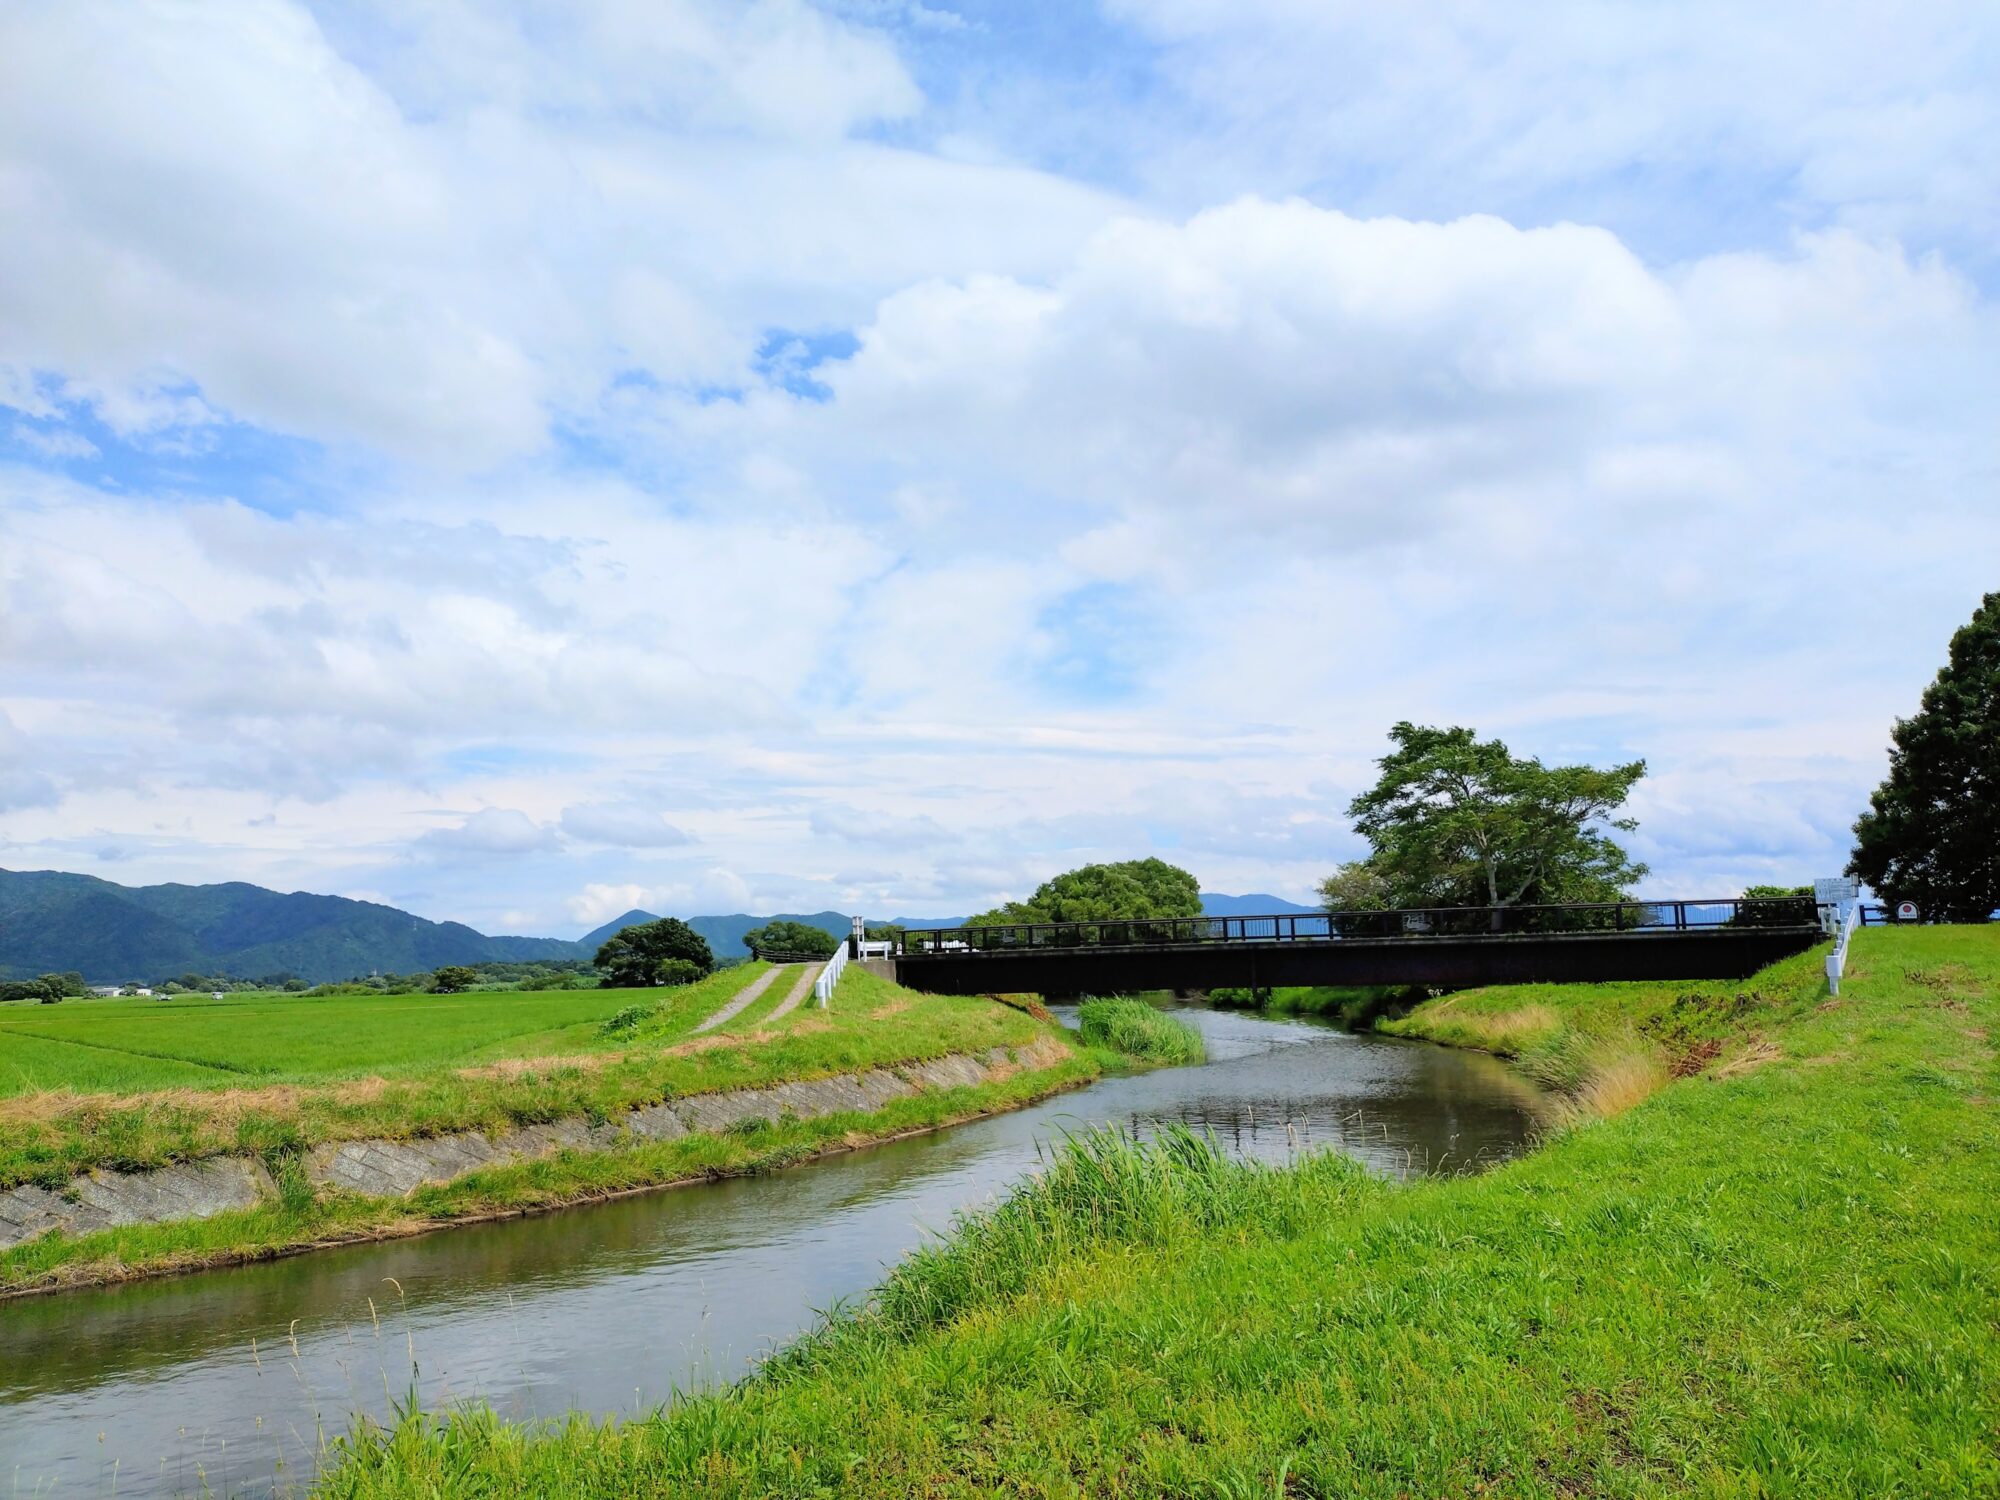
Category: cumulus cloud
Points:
column 490, row 831
column 232, row 217
column 710, row 890
column 1276, row 365
column 623, row 824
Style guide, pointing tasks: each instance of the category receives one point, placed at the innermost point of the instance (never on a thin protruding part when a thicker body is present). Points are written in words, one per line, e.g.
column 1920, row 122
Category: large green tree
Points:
column 1142, row 888
column 639, row 956
column 1454, row 820
column 782, row 936
column 1932, row 830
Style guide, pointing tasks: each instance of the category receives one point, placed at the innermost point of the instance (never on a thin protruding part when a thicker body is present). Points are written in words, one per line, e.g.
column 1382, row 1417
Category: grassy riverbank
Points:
column 1778, row 1274
column 601, row 1073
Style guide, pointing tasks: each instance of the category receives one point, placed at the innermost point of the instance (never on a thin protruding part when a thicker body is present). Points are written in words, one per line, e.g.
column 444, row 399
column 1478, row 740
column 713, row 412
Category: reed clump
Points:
column 1096, row 1188
column 1137, row 1030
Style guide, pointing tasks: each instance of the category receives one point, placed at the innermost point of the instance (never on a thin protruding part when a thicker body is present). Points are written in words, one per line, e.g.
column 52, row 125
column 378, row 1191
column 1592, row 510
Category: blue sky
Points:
column 522, row 462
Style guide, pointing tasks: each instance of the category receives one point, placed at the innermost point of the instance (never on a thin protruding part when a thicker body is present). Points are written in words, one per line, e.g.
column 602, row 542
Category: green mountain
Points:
column 51, row 922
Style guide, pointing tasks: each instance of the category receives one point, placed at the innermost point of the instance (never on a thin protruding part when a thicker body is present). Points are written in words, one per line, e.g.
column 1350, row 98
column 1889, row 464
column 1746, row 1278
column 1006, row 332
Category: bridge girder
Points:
column 1440, row 962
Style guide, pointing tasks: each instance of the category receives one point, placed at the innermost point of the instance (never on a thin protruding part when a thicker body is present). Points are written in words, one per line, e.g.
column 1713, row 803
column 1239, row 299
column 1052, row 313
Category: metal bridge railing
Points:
column 1635, row 917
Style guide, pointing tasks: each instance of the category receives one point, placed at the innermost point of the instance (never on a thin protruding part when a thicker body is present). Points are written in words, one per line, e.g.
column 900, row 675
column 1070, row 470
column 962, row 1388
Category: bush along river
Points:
column 233, row 1381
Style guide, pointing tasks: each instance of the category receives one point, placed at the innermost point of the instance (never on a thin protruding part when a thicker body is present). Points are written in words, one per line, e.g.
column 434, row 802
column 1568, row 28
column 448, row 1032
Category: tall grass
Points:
column 1136, row 1029
column 1099, row 1187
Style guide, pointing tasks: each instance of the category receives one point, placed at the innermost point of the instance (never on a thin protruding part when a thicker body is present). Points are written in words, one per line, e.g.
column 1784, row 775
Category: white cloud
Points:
column 436, row 254
column 1665, row 120
column 1275, row 365
column 622, row 824
column 491, row 830
column 713, row 890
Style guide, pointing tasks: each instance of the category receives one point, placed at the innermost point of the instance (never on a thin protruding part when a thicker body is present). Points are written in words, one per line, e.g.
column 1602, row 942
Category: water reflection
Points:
column 234, row 1379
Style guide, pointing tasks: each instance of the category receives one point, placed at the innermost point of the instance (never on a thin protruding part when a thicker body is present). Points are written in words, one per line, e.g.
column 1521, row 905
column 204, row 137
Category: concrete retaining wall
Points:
column 391, row 1169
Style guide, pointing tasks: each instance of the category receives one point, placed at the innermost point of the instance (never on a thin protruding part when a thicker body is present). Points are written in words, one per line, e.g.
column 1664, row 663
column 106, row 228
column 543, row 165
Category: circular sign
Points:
column 1906, row 911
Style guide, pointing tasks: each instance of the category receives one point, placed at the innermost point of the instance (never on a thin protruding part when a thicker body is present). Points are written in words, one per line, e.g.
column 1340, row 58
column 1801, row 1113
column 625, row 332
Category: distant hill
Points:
column 1215, row 905
column 596, row 936
column 51, row 922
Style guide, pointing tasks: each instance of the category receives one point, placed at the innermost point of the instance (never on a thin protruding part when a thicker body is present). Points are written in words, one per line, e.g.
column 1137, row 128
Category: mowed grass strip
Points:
column 1779, row 1276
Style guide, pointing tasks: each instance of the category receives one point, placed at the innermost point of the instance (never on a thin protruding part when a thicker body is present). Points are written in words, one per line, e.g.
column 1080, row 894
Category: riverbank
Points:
column 627, row 1107
column 1778, row 1273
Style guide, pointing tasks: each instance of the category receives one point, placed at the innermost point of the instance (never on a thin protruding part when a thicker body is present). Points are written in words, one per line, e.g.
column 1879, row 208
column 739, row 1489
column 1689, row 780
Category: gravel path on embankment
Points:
column 799, row 991
column 744, row 998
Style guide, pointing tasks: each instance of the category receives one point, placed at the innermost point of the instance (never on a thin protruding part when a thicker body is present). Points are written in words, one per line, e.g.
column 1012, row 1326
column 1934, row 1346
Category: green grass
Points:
column 1777, row 1276
column 49, row 1138
column 130, row 1045
column 1138, row 1031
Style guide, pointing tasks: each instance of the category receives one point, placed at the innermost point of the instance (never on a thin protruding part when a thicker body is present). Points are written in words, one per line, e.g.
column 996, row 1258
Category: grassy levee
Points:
column 1776, row 1276
column 603, row 1069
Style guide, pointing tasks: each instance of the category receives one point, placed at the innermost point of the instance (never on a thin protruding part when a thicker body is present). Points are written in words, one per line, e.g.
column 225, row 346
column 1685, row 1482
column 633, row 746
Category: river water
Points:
column 233, row 1381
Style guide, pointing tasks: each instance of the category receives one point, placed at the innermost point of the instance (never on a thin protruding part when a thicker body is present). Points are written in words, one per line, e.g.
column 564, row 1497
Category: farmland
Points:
column 195, row 1041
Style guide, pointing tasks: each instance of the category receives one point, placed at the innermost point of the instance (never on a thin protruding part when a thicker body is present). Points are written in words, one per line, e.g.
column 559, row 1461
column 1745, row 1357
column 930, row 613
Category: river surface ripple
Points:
column 232, row 1381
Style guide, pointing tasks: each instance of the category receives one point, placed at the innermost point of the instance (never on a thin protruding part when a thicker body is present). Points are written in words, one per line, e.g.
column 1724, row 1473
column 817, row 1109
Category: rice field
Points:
column 193, row 1041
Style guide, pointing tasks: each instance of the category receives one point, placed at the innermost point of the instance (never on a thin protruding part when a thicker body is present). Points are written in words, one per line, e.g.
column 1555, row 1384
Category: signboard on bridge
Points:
column 1837, row 891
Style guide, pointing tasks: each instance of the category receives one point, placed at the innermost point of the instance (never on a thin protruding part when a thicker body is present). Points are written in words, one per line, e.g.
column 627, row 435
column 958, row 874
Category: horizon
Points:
column 807, row 457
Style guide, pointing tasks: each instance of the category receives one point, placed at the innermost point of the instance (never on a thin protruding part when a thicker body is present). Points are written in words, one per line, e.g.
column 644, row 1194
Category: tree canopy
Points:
column 1454, row 820
column 636, row 957
column 1932, row 830
column 1097, row 893
column 453, row 978
column 784, row 936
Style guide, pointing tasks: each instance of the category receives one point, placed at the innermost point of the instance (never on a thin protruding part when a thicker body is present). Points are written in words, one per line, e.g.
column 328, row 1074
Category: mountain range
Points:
column 54, row 922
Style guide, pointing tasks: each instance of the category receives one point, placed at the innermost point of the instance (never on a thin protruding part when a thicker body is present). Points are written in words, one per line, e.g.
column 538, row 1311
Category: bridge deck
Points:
column 1445, row 947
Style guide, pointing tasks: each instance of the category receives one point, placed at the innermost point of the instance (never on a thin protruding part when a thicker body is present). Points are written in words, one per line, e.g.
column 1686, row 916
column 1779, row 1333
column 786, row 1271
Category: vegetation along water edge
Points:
column 1758, row 1258
column 295, row 1086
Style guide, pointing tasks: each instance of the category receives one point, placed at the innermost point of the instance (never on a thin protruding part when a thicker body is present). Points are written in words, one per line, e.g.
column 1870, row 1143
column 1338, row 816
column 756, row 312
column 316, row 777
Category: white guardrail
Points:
column 1836, row 961
column 829, row 976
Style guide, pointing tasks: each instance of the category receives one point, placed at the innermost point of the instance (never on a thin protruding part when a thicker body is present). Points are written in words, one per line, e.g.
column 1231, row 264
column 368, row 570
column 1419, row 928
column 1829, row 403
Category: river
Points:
column 233, row 1380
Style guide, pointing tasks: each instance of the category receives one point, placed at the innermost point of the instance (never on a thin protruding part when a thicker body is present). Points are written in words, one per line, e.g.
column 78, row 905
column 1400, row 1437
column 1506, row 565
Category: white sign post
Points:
column 1906, row 911
column 1838, row 892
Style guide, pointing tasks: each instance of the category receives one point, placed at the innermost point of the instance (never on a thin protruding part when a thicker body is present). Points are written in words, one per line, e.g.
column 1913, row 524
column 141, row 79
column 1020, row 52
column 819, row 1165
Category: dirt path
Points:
column 799, row 991
column 742, row 1000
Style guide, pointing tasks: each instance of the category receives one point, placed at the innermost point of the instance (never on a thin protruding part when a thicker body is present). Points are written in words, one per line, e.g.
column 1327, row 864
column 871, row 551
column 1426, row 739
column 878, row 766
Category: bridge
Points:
column 1445, row 947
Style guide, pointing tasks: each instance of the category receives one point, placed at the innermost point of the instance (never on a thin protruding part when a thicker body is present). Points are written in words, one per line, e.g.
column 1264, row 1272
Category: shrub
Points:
column 627, row 1019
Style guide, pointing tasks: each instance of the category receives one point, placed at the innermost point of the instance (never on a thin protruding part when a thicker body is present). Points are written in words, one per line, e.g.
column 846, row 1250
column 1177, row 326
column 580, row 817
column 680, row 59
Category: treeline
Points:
column 47, row 989
column 452, row 979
